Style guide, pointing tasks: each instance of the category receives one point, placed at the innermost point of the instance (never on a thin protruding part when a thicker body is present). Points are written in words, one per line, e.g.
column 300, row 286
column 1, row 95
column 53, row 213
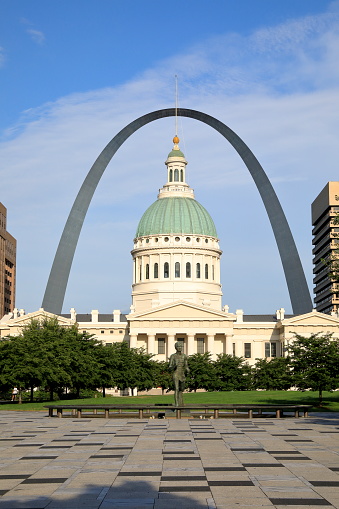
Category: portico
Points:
column 199, row 329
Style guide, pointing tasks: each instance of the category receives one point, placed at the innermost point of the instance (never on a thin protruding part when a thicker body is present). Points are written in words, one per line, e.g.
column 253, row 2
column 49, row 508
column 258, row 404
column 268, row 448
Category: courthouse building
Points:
column 176, row 290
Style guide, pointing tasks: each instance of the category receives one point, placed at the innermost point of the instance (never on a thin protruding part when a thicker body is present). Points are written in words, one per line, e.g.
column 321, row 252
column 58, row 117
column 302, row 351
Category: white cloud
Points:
column 277, row 89
column 36, row 35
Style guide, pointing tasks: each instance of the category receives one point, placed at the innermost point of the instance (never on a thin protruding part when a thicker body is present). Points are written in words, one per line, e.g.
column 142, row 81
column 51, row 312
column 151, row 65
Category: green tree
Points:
column 272, row 375
column 132, row 367
column 163, row 378
column 232, row 373
column 48, row 354
column 202, row 372
column 315, row 362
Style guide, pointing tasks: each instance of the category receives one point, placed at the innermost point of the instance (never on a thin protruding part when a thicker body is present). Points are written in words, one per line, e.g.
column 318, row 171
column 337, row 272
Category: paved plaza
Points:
column 113, row 463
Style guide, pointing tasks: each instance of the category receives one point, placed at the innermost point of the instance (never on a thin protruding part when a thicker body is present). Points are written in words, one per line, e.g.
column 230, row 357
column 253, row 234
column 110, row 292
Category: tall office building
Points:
column 7, row 266
column 326, row 243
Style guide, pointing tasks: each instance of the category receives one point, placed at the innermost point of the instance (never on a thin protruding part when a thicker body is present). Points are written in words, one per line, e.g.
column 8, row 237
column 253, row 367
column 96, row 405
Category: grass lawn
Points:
column 330, row 399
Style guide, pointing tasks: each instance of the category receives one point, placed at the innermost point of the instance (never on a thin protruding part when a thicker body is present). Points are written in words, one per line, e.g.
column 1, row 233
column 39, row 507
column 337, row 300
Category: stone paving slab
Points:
column 98, row 463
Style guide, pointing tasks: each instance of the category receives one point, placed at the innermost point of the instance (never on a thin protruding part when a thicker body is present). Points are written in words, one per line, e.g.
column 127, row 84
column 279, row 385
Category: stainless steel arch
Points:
column 294, row 274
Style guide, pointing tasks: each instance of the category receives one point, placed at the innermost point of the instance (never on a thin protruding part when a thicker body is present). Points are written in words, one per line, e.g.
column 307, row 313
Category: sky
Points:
column 73, row 74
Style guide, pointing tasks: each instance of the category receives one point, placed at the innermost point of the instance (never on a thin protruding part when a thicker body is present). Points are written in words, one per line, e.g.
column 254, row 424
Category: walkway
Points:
column 167, row 464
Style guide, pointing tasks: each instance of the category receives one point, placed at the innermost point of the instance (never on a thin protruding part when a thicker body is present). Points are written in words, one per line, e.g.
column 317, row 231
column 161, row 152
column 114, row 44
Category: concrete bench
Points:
column 216, row 410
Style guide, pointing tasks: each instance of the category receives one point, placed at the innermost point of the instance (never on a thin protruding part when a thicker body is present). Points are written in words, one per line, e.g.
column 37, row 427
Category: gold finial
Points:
column 176, row 140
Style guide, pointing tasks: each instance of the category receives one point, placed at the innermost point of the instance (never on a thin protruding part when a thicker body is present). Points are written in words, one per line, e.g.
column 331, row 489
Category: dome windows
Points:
column 177, row 239
column 188, row 269
column 166, row 270
column 156, row 271
column 188, row 239
column 177, row 269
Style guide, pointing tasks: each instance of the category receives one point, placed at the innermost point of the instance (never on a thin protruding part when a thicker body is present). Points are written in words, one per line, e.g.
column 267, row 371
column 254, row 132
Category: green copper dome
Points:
column 176, row 215
column 176, row 153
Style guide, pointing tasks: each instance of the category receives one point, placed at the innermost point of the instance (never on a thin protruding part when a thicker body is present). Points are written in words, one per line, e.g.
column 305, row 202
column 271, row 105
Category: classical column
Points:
column 190, row 344
column 170, row 344
column 210, row 344
column 133, row 340
column 229, row 345
column 151, row 344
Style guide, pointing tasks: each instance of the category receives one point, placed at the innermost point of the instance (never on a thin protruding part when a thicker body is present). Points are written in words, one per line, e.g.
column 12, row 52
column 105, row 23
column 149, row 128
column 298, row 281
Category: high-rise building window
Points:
column 200, row 345
column 161, row 345
column 206, row 271
column 166, row 270
column 198, row 270
column 147, row 270
column 247, row 350
column 156, row 271
column 188, row 269
column 177, row 269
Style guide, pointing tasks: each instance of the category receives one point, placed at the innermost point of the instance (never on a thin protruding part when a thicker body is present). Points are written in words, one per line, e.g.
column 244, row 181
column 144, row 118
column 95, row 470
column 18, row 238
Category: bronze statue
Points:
column 178, row 365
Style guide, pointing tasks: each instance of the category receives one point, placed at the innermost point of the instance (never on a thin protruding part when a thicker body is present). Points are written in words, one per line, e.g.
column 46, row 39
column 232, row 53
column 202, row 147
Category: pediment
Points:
column 182, row 311
column 39, row 315
column 312, row 318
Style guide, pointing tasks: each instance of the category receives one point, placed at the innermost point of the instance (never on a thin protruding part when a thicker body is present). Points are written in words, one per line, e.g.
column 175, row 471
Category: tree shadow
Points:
column 131, row 494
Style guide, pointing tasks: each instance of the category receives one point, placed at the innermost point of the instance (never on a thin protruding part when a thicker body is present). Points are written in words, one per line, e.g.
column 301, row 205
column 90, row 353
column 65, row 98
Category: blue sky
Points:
column 72, row 74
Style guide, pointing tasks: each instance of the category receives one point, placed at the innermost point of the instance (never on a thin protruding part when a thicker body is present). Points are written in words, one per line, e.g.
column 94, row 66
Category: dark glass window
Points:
column 147, row 270
column 171, row 175
column 181, row 176
column 247, row 350
column 176, row 175
column 177, row 269
column 166, row 270
column 156, row 271
column 206, row 271
column 267, row 350
column 188, row 269
column 200, row 345
column 273, row 349
column 198, row 270
column 161, row 346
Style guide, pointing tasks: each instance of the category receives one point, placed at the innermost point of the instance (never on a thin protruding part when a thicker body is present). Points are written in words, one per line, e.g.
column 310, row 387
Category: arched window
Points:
column 198, row 270
column 166, row 270
column 140, row 272
column 188, row 269
column 147, row 271
column 176, row 175
column 156, row 271
column 171, row 175
column 213, row 272
column 206, row 271
column 181, row 175
column 177, row 269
